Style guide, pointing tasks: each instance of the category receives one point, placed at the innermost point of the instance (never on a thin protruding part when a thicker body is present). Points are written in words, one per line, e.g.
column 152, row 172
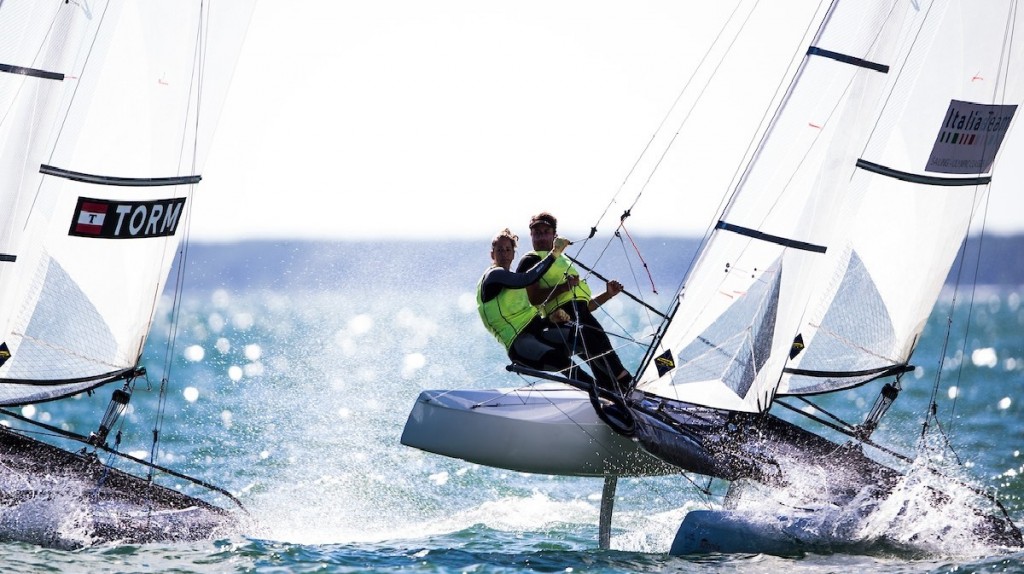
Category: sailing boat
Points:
column 107, row 110
column 816, row 277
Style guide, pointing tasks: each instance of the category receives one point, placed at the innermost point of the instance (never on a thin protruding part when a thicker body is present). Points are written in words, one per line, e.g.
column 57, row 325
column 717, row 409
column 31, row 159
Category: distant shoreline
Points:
column 457, row 263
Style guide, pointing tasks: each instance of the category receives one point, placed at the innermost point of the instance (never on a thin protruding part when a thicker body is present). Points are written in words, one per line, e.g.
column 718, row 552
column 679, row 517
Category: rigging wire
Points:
column 195, row 87
column 986, row 193
column 699, row 98
column 654, row 318
column 751, row 145
column 625, row 292
column 719, row 38
column 730, row 43
column 668, row 114
column 636, row 249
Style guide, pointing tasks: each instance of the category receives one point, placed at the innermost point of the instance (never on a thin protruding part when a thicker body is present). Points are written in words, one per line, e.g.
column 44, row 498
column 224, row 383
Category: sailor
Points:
column 505, row 309
column 562, row 289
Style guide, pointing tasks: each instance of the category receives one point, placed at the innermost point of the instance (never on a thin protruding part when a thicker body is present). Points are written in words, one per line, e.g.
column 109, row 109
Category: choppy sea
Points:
column 292, row 373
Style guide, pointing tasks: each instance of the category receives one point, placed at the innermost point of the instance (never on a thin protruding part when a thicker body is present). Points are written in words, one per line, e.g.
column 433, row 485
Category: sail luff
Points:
column 653, row 352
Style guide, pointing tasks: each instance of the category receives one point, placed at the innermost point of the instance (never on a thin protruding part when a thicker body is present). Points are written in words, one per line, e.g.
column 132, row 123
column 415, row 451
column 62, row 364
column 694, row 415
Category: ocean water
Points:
column 292, row 394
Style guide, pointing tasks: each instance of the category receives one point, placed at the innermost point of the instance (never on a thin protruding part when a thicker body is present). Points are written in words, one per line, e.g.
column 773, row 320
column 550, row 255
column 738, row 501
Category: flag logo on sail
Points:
column 5, row 353
column 126, row 219
column 89, row 219
column 969, row 137
column 664, row 363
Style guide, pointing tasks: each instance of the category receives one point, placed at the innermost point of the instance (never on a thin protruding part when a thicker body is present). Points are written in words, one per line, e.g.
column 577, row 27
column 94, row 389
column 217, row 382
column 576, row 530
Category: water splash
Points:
column 928, row 512
column 44, row 510
column 61, row 511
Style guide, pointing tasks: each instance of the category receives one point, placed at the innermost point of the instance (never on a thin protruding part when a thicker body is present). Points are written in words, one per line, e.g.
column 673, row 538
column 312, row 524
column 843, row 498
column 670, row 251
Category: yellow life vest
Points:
column 555, row 277
column 506, row 315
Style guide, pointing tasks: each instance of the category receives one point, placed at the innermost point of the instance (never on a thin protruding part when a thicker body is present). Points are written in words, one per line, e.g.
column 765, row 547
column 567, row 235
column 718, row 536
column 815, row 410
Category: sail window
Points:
column 755, row 234
column 844, row 348
column 737, row 345
column 847, row 59
column 31, row 72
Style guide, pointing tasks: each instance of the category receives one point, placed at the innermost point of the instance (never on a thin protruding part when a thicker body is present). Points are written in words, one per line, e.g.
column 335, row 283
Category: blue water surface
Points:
column 292, row 394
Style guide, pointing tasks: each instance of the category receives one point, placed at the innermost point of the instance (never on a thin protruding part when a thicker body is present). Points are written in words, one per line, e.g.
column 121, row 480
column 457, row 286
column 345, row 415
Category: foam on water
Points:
column 43, row 511
column 929, row 512
column 63, row 512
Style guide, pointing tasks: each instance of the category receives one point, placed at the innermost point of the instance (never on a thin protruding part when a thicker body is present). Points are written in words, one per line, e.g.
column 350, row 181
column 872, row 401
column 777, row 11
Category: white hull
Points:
column 545, row 429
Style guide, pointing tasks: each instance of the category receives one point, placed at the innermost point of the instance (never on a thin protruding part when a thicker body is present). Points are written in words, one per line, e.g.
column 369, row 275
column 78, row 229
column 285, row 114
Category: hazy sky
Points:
column 449, row 118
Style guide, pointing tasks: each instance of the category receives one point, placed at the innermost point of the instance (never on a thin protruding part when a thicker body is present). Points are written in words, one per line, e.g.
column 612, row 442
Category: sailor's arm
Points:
column 612, row 289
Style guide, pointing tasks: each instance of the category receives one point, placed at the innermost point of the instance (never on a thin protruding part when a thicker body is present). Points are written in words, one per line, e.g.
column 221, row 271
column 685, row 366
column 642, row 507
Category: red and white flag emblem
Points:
column 90, row 218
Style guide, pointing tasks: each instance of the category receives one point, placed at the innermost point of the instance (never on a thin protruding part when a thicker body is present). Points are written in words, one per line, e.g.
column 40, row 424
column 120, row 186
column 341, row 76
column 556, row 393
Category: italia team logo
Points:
column 969, row 137
column 126, row 219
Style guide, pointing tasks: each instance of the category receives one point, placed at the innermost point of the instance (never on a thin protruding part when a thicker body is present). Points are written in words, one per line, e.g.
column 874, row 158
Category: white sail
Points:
column 106, row 131
column 828, row 186
column 924, row 175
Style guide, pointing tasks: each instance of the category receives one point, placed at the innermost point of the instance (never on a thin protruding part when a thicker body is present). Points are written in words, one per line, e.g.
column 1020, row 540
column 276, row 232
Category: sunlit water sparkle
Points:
column 294, row 399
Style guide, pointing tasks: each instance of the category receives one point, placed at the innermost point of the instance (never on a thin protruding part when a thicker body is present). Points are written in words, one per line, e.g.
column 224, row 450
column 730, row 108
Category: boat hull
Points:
column 545, row 429
column 735, row 532
column 60, row 499
column 794, row 533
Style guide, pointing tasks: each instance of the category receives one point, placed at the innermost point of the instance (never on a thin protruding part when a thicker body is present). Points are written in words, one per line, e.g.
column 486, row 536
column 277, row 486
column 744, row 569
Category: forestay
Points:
column 838, row 236
column 102, row 139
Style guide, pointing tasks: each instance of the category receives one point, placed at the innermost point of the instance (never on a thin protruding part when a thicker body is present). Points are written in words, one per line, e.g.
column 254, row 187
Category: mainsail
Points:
column 832, row 250
column 106, row 114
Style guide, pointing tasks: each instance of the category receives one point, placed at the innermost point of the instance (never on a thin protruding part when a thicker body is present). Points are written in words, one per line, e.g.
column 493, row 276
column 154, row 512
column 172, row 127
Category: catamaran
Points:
column 870, row 169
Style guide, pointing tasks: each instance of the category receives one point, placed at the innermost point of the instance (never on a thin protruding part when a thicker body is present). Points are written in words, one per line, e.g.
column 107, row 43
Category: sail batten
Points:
column 922, row 179
column 878, row 372
column 25, row 71
column 14, row 392
column 118, row 180
column 106, row 377
column 783, row 241
column 847, row 59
